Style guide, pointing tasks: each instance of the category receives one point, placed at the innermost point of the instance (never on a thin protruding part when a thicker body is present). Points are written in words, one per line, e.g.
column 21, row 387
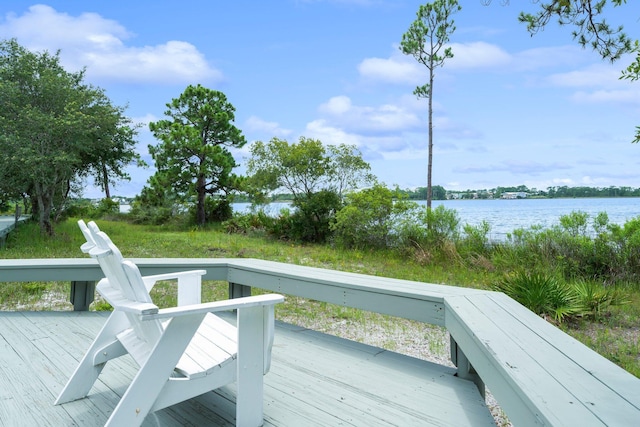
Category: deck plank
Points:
column 538, row 372
column 315, row 380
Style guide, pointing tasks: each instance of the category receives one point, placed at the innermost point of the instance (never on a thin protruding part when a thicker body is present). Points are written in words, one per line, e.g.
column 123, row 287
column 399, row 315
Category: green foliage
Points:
column 193, row 155
column 314, row 215
column 369, row 218
column 589, row 29
column 316, row 176
column 156, row 204
column 549, row 296
column 102, row 305
column 305, row 167
column 542, row 294
column 428, row 35
column 605, row 251
column 476, row 239
column 84, row 208
column 248, row 223
column 430, row 229
column 56, row 131
column 596, row 299
column 300, row 168
column 216, row 210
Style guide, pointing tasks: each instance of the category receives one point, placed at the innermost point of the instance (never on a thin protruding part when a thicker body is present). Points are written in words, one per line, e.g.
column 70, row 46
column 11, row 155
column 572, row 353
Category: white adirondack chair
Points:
column 183, row 351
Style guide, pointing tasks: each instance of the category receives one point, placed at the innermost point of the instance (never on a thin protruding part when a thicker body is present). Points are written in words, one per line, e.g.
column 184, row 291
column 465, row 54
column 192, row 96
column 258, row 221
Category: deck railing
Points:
column 538, row 374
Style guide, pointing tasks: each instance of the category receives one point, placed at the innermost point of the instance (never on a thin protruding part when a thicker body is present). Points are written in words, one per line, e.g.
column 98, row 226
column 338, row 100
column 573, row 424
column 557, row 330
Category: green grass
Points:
column 614, row 334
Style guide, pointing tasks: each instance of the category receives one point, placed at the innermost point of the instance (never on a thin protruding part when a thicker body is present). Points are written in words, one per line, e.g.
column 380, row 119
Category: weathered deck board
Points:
column 315, row 379
column 576, row 385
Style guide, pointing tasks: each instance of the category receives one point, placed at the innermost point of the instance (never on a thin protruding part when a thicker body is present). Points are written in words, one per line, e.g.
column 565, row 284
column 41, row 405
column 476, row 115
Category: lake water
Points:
column 504, row 216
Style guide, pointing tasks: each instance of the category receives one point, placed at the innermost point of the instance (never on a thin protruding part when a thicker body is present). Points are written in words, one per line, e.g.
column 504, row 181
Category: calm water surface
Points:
column 504, row 216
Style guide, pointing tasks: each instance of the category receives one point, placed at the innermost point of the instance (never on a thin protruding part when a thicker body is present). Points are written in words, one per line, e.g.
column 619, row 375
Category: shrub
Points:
column 542, row 294
column 476, row 239
column 429, row 229
column 311, row 221
column 215, row 210
column 248, row 223
column 596, row 299
column 370, row 218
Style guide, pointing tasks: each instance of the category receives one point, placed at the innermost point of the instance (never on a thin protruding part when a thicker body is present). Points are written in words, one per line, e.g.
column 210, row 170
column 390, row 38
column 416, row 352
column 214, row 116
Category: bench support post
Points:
column 82, row 295
column 237, row 290
column 465, row 369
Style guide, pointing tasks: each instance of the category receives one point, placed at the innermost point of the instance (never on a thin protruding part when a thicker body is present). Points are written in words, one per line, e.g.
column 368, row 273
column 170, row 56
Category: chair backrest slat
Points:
column 125, row 282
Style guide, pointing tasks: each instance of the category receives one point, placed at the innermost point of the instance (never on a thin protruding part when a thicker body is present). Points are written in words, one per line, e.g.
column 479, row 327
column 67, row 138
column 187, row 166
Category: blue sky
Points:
column 509, row 109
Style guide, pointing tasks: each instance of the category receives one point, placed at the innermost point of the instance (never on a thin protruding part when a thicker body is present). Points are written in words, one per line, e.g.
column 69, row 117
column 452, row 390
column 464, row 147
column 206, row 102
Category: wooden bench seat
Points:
column 540, row 375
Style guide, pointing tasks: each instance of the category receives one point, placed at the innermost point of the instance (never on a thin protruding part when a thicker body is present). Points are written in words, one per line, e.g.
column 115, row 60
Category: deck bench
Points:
column 539, row 374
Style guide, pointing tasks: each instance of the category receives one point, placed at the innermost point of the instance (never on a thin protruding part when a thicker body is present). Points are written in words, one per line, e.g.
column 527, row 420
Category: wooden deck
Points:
column 315, row 380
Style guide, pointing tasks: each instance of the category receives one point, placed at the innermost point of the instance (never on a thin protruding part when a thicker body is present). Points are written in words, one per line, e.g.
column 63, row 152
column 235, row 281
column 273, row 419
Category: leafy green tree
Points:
column 349, row 170
column 193, row 153
column 55, row 130
column 316, row 177
column 156, row 203
column 426, row 41
column 306, row 167
column 300, row 168
column 117, row 134
column 589, row 29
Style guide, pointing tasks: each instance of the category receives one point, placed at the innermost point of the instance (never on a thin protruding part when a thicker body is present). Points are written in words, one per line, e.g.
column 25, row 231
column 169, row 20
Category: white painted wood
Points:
column 153, row 375
column 192, row 349
column 251, row 345
column 87, row 371
column 215, row 306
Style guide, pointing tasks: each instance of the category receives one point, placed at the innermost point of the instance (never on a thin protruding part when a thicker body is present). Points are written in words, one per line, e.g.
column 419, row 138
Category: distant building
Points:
column 514, row 195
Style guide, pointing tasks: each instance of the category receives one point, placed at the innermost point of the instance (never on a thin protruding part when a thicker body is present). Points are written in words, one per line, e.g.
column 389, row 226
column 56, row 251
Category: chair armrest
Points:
column 114, row 298
column 189, row 284
column 212, row 307
column 140, row 308
column 149, row 281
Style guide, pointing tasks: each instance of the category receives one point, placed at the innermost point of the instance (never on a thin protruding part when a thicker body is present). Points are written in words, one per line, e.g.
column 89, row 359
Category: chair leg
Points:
column 143, row 391
column 249, row 400
column 87, row 371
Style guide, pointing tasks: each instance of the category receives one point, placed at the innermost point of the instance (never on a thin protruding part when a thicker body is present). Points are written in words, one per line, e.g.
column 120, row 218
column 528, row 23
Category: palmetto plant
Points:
column 544, row 295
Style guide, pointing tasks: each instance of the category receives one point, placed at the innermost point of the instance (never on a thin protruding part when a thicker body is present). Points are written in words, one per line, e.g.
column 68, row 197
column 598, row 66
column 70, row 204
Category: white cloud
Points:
column 598, row 75
column 97, row 43
column 476, row 55
column 145, row 120
column 397, row 70
column 600, row 83
column 404, row 69
column 629, row 97
column 256, row 124
column 546, row 57
column 365, row 119
column 372, row 147
column 336, row 105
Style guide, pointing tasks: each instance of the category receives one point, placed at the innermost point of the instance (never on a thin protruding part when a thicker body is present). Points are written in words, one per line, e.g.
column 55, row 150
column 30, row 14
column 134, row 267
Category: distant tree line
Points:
column 440, row 193
column 551, row 192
